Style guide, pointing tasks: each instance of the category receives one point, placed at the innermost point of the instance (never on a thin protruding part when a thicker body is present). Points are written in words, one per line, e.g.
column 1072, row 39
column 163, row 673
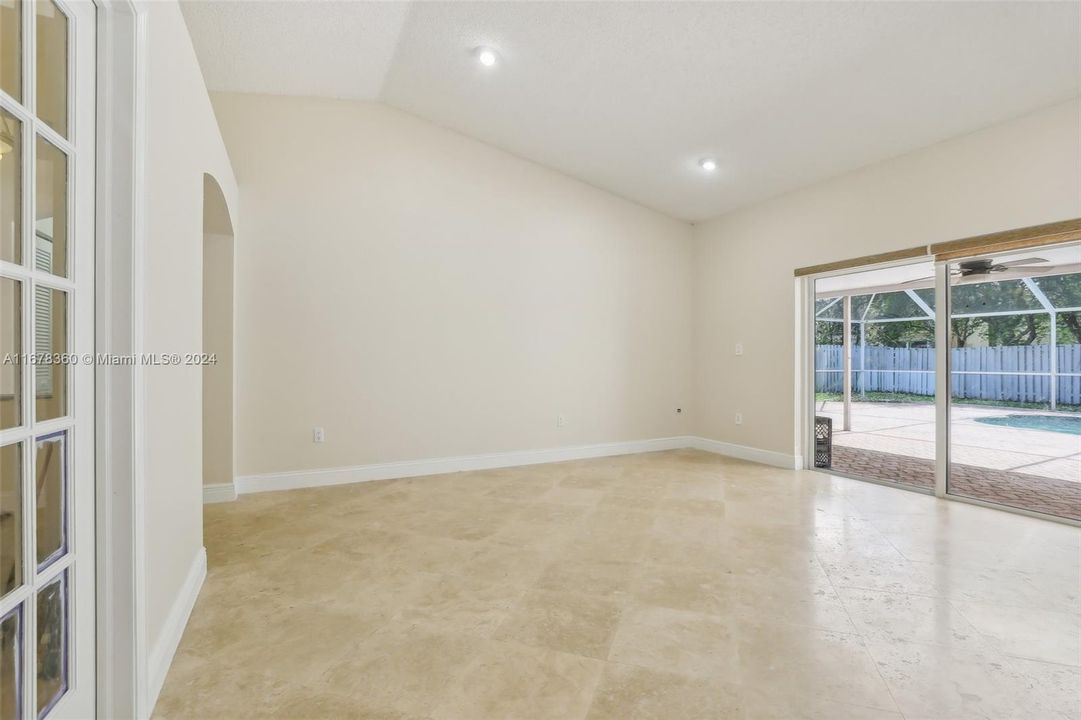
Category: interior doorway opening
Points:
column 218, row 343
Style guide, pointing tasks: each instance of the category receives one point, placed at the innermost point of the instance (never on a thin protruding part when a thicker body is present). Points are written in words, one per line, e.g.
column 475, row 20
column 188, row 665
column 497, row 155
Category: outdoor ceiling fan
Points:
column 974, row 270
column 987, row 266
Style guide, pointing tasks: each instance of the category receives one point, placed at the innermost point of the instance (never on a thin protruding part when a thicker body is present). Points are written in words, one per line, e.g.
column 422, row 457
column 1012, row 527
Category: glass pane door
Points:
column 874, row 366
column 47, row 140
column 1015, row 377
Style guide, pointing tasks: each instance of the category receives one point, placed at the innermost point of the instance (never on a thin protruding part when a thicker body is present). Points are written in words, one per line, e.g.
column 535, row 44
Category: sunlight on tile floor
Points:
column 666, row 585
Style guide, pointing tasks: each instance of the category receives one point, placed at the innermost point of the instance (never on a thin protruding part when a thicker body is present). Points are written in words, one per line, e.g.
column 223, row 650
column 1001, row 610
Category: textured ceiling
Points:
column 628, row 96
column 331, row 49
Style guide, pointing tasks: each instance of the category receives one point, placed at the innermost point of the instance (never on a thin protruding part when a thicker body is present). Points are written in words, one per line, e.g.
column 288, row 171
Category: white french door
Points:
column 47, row 484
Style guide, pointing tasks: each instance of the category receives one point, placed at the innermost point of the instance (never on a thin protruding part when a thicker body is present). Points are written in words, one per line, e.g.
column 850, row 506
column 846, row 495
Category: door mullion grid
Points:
column 16, row 108
column 32, row 125
column 14, row 598
column 54, row 138
column 29, row 411
column 30, row 570
column 30, row 278
column 29, row 638
column 24, row 433
column 68, row 420
column 30, row 56
column 20, row 272
column 57, row 566
column 14, row 435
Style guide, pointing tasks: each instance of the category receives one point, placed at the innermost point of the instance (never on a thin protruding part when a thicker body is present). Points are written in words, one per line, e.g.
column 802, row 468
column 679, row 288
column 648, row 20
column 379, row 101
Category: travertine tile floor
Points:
column 672, row 585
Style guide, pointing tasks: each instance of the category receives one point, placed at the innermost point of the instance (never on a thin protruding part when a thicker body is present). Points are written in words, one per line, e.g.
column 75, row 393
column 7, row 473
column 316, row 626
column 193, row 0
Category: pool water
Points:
column 1051, row 423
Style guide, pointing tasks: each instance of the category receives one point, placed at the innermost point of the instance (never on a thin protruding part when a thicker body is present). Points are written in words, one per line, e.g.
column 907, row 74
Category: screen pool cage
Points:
column 1014, row 340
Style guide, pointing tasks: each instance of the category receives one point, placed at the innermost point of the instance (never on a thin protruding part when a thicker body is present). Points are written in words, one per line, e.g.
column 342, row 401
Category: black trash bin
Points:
column 823, row 441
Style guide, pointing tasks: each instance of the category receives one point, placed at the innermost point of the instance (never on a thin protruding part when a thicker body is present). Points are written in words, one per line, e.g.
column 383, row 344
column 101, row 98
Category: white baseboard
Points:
column 221, row 492
column 743, row 452
column 161, row 655
column 438, row 466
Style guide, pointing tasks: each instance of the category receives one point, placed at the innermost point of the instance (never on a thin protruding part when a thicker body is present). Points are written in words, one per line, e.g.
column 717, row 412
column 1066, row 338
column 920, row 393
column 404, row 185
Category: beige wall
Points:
column 1021, row 173
column 183, row 143
column 218, row 377
column 421, row 295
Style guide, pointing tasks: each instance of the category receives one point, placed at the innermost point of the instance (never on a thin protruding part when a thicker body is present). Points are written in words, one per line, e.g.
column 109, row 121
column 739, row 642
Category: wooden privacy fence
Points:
column 1018, row 373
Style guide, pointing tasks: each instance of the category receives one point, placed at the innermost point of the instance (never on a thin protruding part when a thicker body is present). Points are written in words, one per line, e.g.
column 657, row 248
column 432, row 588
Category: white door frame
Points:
column 805, row 339
column 942, row 377
column 121, row 643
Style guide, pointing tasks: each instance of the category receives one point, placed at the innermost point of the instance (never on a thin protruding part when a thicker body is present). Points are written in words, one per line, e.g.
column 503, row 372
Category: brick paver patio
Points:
column 1032, row 492
column 893, row 442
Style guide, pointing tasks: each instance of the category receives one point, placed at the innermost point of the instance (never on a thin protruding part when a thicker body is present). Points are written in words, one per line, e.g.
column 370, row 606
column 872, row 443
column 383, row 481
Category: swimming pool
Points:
column 1050, row 423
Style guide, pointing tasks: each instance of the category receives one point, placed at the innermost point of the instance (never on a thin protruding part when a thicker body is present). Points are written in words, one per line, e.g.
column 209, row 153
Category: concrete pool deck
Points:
column 909, row 429
column 1034, row 469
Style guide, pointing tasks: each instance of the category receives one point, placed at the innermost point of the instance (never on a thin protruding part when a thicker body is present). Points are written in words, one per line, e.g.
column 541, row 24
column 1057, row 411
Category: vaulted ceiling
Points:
column 629, row 96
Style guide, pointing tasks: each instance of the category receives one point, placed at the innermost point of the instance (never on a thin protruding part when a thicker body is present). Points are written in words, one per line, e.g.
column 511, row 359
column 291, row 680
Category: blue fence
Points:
column 984, row 373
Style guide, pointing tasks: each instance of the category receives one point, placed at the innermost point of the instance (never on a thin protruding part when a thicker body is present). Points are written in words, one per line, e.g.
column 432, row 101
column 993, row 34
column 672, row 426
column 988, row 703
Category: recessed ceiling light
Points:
column 486, row 56
column 707, row 164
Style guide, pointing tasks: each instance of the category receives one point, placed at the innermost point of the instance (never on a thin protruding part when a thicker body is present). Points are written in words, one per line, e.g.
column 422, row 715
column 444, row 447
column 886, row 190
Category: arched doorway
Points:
column 218, row 334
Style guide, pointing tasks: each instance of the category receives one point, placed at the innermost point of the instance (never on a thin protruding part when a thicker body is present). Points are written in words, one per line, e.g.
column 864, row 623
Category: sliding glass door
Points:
column 1015, row 379
column 874, row 367
column 961, row 378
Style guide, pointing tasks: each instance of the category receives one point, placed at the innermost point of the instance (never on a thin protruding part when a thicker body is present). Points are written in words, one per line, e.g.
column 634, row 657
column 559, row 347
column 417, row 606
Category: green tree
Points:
column 1069, row 328
column 964, row 329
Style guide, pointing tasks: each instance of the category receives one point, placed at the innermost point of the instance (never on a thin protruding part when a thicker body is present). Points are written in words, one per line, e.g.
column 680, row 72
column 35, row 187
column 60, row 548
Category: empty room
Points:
column 540, row 360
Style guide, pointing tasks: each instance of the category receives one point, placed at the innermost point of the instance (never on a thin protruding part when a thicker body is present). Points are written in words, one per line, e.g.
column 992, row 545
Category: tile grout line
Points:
column 863, row 638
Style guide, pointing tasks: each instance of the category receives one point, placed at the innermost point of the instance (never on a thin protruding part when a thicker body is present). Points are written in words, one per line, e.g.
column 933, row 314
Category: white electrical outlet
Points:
column 739, row 348
column 319, row 435
column 561, row 420
column 739, row 418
